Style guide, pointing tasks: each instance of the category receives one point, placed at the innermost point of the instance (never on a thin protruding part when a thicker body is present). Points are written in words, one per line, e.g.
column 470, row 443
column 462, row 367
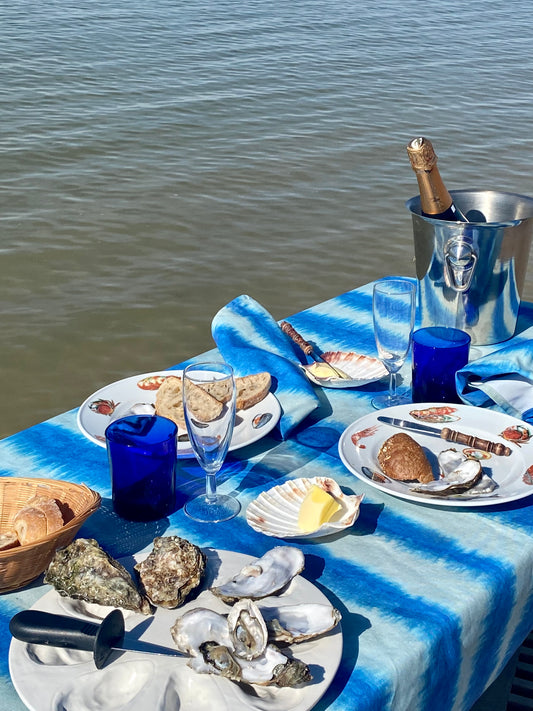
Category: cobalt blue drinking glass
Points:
column 142, row 452
column 438, row 353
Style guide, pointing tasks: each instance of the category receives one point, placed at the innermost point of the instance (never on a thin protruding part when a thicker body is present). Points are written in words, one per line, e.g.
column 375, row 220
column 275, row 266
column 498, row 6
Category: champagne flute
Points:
column 393, row 309
column 210, row 435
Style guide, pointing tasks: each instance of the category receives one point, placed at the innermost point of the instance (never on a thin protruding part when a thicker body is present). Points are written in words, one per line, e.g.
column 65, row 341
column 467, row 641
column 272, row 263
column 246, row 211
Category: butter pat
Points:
column 317, row 508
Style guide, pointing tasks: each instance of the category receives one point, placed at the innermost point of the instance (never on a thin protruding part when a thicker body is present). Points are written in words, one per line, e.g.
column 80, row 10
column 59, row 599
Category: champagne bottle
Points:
column 435, row 200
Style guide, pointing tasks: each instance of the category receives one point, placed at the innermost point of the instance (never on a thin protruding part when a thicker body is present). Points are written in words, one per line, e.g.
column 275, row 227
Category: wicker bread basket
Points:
column 22, row 564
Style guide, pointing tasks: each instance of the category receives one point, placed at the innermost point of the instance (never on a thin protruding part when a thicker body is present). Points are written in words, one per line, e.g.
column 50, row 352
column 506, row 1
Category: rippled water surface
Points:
column 158, row 159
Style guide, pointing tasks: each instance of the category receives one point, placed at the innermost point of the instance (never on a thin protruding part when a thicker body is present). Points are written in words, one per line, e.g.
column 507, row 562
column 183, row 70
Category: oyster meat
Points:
column 272, row 668
column 266, row 576
column 459, row 474
column 235, row 648
column 173, row 569
column 297, row 623
column 84, row 571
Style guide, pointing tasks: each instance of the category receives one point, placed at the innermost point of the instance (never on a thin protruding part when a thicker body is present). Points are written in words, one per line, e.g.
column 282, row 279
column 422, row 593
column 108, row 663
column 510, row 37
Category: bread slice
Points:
column 400, row 457
column 169, row 402
column 251, row 389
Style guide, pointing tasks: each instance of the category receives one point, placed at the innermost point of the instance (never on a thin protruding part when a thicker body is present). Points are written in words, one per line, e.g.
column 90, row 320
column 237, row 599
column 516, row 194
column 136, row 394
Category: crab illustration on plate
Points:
column 103, row 407
column 519, row 434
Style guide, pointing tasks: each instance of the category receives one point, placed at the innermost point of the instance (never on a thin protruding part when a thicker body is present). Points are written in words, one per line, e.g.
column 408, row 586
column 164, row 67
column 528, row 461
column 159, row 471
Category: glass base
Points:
column 402, row 397
column 221, row 509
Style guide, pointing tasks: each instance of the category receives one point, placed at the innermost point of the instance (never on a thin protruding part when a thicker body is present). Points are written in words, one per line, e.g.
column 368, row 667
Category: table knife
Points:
column 450, row 435
column 38, row 627
column 307, row 348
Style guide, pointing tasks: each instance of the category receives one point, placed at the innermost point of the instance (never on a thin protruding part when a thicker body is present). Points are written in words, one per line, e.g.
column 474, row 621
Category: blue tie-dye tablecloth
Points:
column 434, row 600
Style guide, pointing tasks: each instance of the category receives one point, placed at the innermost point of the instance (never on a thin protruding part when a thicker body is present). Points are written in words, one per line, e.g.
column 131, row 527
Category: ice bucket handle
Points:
column 459, row 263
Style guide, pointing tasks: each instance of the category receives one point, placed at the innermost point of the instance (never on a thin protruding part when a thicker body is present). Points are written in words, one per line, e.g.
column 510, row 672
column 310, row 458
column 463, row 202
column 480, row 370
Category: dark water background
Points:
column 159, row 158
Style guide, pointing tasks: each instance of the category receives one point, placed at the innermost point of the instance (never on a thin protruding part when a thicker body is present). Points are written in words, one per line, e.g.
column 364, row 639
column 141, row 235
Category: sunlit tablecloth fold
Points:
column 250, row 340
column 503, row 379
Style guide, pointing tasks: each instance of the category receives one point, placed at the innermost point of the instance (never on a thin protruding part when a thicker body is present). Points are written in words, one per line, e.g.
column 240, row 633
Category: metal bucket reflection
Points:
column 472, row 274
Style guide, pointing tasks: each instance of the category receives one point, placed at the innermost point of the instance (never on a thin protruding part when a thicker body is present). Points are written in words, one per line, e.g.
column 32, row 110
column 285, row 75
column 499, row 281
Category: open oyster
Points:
column 248, row 629
column 173, row 569
column 272, row 668
column 234, row 648
column 296, row 623
column 84, row 571
column 458, row 475
column 266, row 576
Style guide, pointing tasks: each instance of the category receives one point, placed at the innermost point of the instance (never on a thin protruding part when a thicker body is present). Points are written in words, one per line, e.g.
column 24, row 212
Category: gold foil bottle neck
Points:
column 421, row 154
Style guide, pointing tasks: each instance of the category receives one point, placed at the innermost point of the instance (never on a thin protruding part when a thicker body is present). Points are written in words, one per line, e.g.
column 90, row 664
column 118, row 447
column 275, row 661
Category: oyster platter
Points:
column 419, row 465
column 254, row 633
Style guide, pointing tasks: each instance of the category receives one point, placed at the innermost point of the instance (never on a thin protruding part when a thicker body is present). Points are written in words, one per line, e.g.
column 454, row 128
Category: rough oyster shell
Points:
column 296, row 623
column 173, row 569
column 266, row 576
column 275, row 512
column 84, row 571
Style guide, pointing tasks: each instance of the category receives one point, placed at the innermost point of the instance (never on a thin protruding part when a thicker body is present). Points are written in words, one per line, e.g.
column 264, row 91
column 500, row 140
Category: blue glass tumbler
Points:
column 142, row 453
column 438, row 353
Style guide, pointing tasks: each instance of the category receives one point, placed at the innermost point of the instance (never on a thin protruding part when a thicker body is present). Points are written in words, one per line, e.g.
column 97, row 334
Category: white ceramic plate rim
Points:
column 39, row 684
column 93, row 425
column 508, row 472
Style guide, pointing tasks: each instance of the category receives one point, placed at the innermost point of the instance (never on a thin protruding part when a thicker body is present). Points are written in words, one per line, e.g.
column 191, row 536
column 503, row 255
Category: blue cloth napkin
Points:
column 251, row 341
column 503, row 379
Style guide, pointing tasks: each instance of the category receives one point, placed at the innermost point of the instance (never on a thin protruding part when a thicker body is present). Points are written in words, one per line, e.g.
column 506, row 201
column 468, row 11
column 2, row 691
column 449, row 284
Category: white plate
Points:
column 275, row 512
column 66, row 680
column 360, row 443
column 117, row 399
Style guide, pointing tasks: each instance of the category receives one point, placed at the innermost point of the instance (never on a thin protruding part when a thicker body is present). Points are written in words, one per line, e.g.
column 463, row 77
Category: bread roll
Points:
column 400, row 457
column 40, row 517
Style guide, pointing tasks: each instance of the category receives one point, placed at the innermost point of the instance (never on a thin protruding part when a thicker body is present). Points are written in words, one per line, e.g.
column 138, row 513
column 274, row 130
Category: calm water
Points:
column 158, row 159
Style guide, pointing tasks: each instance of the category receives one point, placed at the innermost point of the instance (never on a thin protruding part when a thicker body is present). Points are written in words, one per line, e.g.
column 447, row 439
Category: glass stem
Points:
column 392, row 386
column 211, row 487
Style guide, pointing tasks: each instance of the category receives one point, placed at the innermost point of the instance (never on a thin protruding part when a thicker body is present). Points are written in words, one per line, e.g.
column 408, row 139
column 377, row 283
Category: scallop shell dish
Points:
column 276, row 512
column 358, row 369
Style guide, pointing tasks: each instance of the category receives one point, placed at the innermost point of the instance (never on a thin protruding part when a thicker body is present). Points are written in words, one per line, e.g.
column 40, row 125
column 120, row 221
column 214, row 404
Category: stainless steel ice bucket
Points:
column 472, row 274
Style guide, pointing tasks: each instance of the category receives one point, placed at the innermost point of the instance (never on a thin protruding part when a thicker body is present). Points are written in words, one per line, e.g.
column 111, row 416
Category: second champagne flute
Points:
column 210, row 431
column 393, row 309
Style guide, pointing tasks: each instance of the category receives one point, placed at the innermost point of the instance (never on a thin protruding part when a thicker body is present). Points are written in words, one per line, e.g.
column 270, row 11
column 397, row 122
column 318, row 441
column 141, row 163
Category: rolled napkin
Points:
column 503, row 379
column 251, row 341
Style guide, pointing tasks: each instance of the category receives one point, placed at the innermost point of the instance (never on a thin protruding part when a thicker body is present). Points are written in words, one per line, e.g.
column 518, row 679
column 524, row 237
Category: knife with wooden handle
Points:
column 307, row 348
column 449, row 435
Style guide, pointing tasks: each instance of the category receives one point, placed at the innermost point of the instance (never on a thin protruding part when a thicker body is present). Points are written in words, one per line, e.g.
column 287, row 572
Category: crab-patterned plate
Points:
column 136, row 395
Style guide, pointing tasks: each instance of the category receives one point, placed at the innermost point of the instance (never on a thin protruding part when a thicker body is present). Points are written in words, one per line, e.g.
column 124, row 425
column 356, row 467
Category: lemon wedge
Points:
column 318, row 507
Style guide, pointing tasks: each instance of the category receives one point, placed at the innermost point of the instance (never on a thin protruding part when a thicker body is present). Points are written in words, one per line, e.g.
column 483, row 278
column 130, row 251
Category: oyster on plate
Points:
column 235, row 648
column 459, row 474
column 84, row 571
column 266, row 576
column 174, row 568
column 297, row 623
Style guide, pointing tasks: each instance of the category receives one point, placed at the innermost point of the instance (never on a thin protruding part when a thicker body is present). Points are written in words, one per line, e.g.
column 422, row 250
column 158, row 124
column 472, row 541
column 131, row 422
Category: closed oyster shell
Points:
column 84, row 571
column 266, row 576
column 174, row 568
